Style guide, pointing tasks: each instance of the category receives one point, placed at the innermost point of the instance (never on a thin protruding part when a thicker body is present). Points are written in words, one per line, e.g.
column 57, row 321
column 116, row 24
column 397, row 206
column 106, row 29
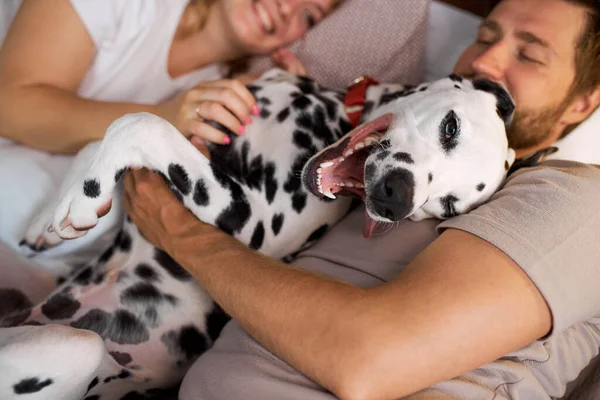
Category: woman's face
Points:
column 262, row 26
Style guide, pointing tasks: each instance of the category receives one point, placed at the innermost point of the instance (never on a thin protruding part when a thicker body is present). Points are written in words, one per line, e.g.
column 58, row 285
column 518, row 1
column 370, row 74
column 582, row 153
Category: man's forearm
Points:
column 440, row 318
column 55, row 120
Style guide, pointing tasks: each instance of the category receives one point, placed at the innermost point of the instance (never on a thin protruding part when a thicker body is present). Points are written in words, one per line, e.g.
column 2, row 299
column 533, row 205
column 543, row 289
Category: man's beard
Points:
column 529, row 128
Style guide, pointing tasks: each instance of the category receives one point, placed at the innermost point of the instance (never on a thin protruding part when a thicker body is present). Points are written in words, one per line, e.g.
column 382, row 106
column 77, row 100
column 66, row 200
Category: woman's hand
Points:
column 286, row 60
column 226, row 101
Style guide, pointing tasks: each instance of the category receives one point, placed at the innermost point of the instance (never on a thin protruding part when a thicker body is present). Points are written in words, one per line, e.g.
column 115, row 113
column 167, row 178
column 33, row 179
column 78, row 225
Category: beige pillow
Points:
column 382, row 38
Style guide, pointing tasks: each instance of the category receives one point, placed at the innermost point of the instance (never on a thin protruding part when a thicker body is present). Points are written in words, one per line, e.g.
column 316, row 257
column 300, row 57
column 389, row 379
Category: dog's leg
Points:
column 145, row 140
column 52, row 362
column 37, row 235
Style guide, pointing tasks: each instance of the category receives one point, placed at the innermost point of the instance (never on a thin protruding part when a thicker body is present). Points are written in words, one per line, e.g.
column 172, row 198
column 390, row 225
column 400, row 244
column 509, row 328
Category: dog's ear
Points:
column 532, row 160
column 505, row 106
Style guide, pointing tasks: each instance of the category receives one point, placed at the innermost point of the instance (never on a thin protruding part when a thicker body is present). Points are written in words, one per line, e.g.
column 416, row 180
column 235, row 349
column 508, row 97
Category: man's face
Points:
column 529, row 46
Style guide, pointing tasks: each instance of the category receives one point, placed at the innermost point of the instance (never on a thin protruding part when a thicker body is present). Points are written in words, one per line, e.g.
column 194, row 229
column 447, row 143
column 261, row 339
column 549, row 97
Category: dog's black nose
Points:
column 392, row 196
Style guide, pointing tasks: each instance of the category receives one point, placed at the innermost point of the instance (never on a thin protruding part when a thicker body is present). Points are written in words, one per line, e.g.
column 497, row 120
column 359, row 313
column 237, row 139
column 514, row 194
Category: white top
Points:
column 132, row 39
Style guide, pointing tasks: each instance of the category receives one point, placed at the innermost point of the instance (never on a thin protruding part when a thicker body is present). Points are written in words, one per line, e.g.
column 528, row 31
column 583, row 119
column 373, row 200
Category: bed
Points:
column 26, row 175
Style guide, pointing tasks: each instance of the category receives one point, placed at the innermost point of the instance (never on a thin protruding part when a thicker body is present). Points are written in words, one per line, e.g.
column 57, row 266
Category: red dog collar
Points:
column 354, row 101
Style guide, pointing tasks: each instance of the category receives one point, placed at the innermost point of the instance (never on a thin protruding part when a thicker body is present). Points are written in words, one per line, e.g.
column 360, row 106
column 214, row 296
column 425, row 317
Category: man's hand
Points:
column 161, row 218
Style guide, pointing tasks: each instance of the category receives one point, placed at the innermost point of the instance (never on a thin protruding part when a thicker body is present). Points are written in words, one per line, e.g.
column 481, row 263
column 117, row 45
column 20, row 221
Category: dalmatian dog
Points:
column 129, row 324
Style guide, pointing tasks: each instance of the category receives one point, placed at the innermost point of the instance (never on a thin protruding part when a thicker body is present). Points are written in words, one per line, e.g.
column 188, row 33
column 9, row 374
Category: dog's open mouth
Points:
column 340, row 168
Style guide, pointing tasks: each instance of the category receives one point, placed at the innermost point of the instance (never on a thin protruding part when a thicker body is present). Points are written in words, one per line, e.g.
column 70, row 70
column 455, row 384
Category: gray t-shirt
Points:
column 547, row 219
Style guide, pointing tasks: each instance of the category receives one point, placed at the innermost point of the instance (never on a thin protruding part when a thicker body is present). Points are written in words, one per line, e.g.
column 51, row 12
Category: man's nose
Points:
column 492, row 63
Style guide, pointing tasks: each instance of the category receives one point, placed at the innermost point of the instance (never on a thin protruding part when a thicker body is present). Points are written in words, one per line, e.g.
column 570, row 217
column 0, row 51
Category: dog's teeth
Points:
column 319, row 171
column 329, row 194
column 341, row 159
column 349, row 184
column 326, row 164
column 342, row 184
column 370, row 141
column 320, row 189
column 348, row 153
column 359, row 146
column 360, row 186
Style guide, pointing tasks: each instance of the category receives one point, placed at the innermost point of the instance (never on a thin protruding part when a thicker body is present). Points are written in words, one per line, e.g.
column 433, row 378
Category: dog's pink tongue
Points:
column 369, row 225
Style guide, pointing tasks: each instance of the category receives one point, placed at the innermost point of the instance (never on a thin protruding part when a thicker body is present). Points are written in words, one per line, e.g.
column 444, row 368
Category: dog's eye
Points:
column 449, row 131
column 451, row 128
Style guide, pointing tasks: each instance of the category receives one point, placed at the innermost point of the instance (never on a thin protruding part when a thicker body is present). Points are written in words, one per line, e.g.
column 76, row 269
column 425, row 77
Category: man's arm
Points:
column 459, row 304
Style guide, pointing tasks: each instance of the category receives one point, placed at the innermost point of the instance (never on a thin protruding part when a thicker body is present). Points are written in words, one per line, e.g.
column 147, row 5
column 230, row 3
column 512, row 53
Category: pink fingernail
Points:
column 255, row 110
column 242, row 130
column 226, row 140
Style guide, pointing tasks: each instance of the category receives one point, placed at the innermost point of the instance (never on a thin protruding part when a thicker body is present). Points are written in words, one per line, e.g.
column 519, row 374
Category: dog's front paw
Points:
column 80, row 209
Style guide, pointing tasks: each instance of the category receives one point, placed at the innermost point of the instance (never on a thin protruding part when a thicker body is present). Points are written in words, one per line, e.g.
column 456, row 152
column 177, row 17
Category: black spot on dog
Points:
column 254, row 177
column 277, row 223
column 382, row 155
column 264, row 101
column 146, row 272
column 504, row 103
column 293, row 182
column 299, row 201
column 94, row 320
column 236, row 215
column 187, row 343
column 141, row 292
column 306, row 85
column 258, row 236
column 201, row 197
column 430, row 177
column 93, row 383
column 283, row 114
column 480, row 187
column 215, row 321
column 60, row 306
column 403, row 157
column 448, row 202
column 424, row 88
column 84, row 277
column 123, row 241
column 330, row 106
column 370, row 172
column 318, row 234
column 385, row 144
column 304, row 120
column 91, row 188
column 457, row 87
column 180, row 178
column 264, row 113
column 31, row 385
column 368, row 107
column 321, row 129
column 120, row 173
column 455, row 78
column 171, row 266
column 125, row 328
column 270, row 182
column 171, row 299
column 121, row 375
column 304, row 141
column 301, row 103
column 107, row 255
column 12, row 301
column 122, row 358
column 133, row 396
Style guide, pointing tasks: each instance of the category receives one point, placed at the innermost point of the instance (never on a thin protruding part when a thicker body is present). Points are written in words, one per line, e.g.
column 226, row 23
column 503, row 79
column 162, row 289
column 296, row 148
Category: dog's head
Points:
column 435, row 153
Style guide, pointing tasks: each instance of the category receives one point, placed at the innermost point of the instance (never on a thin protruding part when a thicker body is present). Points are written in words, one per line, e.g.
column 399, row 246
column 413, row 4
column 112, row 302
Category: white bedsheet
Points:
column 27, row 175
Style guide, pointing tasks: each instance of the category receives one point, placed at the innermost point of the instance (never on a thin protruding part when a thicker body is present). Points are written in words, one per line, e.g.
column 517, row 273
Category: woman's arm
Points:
column 459, row 304
column 44, row 58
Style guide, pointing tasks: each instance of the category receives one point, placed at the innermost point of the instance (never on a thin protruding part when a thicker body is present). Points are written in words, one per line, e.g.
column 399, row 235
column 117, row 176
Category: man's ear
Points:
column 532, row 160
column 581, row 107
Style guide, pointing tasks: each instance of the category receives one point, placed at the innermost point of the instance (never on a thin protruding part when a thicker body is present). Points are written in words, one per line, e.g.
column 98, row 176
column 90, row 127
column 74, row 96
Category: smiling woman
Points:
column 121, row 45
